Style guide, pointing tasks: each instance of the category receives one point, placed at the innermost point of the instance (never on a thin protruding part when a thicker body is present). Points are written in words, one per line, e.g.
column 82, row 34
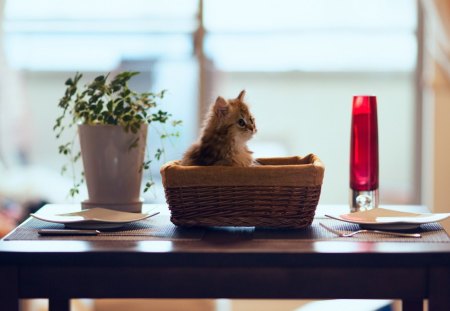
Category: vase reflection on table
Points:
column 364, row 154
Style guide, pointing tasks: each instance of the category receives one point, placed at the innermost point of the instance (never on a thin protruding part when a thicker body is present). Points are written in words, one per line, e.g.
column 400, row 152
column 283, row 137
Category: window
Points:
column 311, row 36
column 95, row 35
column 299, row 60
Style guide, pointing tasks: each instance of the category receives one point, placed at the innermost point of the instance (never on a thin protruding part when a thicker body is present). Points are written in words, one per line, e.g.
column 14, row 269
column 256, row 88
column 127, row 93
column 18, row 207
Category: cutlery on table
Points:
column 86, row 232
column 349, row 234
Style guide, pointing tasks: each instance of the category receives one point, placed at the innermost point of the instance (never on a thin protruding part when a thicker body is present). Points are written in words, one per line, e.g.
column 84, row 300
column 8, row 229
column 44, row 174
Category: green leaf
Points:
column 159, row 152
column 100, row 78
column 134, row 144
column 99, row 107
column 64, row 149
column 148, row 185
column 119, row 108
column 109, row 105
column 77, row 157
column 74, row 191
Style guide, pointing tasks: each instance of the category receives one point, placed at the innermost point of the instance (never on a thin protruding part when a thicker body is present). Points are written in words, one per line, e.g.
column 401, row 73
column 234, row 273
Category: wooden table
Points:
column 226, row 264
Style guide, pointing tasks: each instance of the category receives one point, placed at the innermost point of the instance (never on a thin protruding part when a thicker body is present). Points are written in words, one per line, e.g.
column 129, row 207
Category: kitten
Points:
column 226, row 131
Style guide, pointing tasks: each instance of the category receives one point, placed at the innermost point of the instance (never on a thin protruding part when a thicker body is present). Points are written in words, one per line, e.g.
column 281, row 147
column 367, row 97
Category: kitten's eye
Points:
column 241, row 122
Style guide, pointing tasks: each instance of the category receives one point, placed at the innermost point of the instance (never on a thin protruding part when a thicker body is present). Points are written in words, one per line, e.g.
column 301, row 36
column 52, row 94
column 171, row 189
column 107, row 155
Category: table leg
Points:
column 9, row 289
column 412, row 305
column 59, row 305
column 439, row 289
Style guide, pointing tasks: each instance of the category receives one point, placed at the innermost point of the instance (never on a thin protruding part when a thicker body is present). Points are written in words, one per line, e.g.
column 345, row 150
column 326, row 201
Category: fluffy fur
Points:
column 228, row 127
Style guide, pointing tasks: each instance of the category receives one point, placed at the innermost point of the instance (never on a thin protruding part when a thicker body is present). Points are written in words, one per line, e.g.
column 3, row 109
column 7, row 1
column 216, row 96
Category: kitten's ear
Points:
column 241, row 95
column 221, row 107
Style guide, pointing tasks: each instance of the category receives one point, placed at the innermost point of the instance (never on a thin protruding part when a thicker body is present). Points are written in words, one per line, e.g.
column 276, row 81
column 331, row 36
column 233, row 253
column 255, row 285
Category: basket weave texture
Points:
column 279, row 193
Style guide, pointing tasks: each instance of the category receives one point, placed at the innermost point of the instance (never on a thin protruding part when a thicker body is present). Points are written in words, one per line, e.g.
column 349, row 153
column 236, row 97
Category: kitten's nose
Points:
column 252, row 128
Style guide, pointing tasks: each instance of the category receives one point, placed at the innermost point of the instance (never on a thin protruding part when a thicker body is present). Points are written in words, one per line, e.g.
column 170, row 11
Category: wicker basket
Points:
column 279, row 193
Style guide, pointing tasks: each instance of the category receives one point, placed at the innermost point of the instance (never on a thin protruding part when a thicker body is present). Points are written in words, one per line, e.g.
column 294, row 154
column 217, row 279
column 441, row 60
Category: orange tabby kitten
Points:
column 227, row 129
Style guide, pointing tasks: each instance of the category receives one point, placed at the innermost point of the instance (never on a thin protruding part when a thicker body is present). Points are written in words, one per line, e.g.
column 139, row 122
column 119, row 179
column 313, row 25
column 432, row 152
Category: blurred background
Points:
column 301, row 61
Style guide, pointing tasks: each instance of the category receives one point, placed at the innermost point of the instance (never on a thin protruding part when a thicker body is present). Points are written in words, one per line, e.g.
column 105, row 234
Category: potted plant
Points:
column 112, row 123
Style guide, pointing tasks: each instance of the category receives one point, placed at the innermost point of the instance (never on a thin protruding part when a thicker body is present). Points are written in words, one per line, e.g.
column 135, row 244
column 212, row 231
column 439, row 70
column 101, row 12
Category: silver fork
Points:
column 345, row 234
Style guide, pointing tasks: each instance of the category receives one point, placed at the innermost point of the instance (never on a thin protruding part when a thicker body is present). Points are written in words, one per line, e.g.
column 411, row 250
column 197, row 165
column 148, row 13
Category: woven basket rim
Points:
column 282, row 171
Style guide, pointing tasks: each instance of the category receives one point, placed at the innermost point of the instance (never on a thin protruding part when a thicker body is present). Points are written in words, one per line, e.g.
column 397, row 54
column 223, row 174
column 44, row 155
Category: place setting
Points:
column 95, row 222
column 386, row 222
column 99, row 224
column 387, row 219
column 93, row 219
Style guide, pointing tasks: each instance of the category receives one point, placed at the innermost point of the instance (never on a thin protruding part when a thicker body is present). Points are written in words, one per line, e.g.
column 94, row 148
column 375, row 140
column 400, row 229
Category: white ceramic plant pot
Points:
column 112, row 168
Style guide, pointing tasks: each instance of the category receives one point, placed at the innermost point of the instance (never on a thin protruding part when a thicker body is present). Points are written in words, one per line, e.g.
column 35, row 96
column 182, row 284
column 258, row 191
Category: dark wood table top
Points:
column 231, row 246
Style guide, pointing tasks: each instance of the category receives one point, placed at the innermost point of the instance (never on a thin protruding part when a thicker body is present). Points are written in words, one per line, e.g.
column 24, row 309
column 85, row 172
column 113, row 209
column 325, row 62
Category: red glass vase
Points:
column 364, row 154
